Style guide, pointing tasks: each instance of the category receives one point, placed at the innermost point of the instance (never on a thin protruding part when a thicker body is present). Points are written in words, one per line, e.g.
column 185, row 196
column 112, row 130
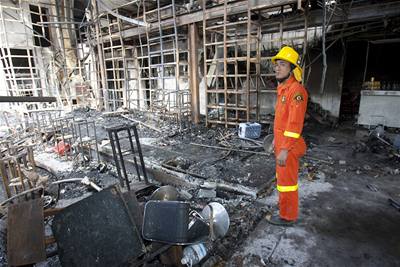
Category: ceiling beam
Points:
column 355, row 14
column 211, row 13
column 10, row 99
column 364, row 13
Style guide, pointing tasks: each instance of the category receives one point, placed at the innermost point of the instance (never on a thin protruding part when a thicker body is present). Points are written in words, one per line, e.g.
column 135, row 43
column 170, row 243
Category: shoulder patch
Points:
column 299, row 97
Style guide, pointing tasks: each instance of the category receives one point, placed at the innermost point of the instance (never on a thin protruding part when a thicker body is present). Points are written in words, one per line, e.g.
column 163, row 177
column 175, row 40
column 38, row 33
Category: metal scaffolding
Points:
column 231, row 67
column 20, row 61
column 239, row 77
column 119, row 64
column 47, row 54
column 163, row 60
column 93, row 62
column 150, row 71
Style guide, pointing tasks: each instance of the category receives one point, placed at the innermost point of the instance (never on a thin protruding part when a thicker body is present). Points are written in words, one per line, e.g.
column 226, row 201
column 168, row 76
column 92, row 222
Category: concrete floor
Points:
column 342, row 221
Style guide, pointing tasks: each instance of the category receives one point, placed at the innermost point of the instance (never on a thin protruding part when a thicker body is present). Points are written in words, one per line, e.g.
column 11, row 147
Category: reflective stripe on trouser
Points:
column 287, row 187
column 291, row 134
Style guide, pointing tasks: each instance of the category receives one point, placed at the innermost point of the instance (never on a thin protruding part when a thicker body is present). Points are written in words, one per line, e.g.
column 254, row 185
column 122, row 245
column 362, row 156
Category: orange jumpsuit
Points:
column 290, row 110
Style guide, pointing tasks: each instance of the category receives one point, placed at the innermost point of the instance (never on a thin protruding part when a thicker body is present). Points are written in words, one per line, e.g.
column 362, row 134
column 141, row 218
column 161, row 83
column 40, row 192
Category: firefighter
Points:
column 288, row 144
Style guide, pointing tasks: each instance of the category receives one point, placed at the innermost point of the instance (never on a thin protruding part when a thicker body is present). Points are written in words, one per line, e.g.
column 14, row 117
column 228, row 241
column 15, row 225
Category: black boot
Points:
column 277, row 220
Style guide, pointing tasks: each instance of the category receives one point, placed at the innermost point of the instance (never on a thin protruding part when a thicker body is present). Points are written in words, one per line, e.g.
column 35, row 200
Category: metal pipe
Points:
column 133, row 152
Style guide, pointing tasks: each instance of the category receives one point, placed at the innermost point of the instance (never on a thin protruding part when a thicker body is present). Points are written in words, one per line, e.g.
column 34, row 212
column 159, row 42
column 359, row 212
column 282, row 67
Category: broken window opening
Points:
column 41, row 32
column 20, row 72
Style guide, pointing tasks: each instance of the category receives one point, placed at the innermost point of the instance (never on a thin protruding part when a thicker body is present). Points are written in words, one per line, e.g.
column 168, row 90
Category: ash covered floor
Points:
column 342, row 223
column 345, row 182
column 345, row 217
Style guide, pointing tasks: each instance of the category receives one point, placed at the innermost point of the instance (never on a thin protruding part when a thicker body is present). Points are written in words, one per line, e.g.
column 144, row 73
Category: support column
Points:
column 194, row 72
column 102, row 102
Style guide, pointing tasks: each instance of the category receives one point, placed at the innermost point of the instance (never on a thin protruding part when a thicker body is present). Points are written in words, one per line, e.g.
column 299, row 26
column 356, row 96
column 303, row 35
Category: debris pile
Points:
column 74, row 156
column 148, row 170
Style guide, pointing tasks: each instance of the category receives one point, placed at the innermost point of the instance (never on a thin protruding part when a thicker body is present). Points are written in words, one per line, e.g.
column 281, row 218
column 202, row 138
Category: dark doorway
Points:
column 381, row 64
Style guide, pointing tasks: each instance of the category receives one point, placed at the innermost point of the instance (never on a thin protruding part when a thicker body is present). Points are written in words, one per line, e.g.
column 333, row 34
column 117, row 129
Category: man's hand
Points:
column 282, row 157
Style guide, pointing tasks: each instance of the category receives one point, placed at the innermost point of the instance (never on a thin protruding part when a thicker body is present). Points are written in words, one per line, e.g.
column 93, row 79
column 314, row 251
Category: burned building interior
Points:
column 135, row 132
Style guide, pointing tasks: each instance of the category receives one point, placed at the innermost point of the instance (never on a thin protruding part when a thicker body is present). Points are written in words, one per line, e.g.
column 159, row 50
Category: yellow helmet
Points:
column 290, row 55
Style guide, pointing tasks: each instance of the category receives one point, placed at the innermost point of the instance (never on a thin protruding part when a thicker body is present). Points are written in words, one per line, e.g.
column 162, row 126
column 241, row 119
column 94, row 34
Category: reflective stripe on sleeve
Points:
column 287, row 188
column 291, row 134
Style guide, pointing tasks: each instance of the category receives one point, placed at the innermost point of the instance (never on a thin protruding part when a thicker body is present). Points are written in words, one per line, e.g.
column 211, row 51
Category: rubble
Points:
column 320, row 175
column 207, row 193
column 185, row 194
column 158, row 133
column 74, row 193
column 217, row 169
column 389, row 170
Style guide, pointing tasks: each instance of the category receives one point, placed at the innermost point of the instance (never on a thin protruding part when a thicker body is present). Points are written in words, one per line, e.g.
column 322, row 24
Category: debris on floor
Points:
column 190, row 198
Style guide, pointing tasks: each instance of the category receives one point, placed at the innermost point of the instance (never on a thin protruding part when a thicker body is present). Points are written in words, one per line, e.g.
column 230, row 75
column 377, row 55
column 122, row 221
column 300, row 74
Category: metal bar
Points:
column 258, row 69
column 80, row 147
column 225, row 64
column 34, row 89
column 236, row 76
column 122, row 160
column 324, row 63
column 150, row 91
column 117, row 165
column 140, row 155
column 102, row 89
column 162, row 52
column 59, row 22
column 10, row 63
column 97, row 146
column 15, row 99
column 112, row 92
column 178, row 96
column 248, row 65
column 366, row 62
column 65, row 72
column 133, row 151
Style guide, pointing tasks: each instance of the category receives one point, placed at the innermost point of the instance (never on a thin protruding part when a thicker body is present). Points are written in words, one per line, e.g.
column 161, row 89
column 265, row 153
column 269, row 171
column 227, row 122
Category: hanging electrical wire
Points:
column 324, row 64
